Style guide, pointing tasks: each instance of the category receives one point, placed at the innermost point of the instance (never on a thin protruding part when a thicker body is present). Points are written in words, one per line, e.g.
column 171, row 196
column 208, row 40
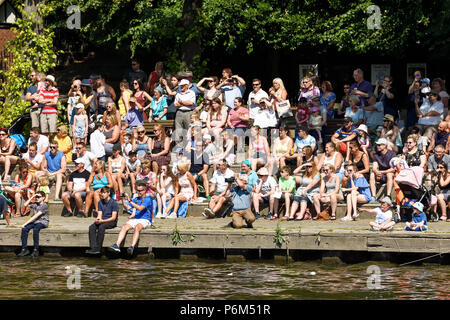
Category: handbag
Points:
column 284, row 109
column 324, row 215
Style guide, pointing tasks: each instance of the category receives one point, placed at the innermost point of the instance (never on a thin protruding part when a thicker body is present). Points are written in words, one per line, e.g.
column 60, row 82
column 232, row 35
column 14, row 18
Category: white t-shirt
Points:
column 41, row 143
column 36, row 160
column 438, row 107
column 381, row 216
column 219, row 179
column 210, row 150
column 87, row 160
column 264, row 118
column 267, row 186
column 98, row 141
column 257, row 96
column 203, row 117
column 189, row 95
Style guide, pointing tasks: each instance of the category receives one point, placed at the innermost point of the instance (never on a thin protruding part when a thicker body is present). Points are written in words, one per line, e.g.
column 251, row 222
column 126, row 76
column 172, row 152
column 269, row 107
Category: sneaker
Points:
column 68, row 214
column 346, row 219
column 374, row 228
column 269, row 216
column 158, row 215
column 24, row 252
column 209, row 212
column 114, row 248
column 256, row 215
column 130, row 251
column 80, row 215
column 35, row 253
column 355, row 215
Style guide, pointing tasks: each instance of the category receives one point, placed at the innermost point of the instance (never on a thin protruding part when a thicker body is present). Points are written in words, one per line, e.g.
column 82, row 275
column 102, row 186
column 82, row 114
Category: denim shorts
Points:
column 299, row 199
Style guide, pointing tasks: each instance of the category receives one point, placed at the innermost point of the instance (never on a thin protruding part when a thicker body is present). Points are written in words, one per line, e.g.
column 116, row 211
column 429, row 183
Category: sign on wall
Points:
column 379, row 71
column 308, row 70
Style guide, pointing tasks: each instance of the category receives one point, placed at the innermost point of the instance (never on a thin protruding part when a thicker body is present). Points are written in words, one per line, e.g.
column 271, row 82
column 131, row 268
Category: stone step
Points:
column 196, row 209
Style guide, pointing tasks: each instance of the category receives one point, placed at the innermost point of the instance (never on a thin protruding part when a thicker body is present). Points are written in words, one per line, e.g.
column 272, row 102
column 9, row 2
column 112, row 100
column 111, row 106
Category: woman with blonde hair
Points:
column 329, row 191
column 111, row 110
column 98, row 179
column 186, row 190
column 64, row 142
column 217, row 118
column 277, row 92
column 142, row 143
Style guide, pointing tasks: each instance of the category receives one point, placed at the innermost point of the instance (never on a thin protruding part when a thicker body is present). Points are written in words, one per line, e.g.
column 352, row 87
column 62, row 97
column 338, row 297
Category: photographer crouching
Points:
column 241, row 196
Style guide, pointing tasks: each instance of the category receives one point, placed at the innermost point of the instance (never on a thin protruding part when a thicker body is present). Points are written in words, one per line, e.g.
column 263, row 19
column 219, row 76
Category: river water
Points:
column 146, row 278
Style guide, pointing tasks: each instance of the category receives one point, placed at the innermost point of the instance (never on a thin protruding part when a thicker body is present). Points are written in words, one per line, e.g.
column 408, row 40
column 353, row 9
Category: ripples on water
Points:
column 145, row 278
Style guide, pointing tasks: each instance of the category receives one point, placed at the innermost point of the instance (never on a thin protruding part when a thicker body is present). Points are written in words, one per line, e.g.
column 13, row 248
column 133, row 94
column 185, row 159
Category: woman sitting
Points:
column 306, row 156
column 20, row 188
column 165, row 188
column 8, row 152
column 217, row 119
column 355, row 112
column 111, row 110
column 112, row 134
column 98, row 179
column 238, row 121
column 185, row 190
column 309, row 185
column 332, row 157
column 116, row 167
column 282, row 147
column 329, row 191
column 411, row 153
column 357, row 191
column 359, row 158
column 228, row 150
column 64, row 142
column 160, row 148
column 142, row 144
column 443, row 182
column 391, row 133
column 158, row 106
column 258, row 150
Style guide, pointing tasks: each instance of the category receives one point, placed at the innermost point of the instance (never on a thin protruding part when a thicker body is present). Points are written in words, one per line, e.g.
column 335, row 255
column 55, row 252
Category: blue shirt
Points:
column 325, row 102
column 231, row 93
column 134, row 117
column 356, row 116
column 419, row 217
column 363, row 187
column 147, row 212
column 241, row 197
column 364, row 86
column 107, row 208
column 53, row 161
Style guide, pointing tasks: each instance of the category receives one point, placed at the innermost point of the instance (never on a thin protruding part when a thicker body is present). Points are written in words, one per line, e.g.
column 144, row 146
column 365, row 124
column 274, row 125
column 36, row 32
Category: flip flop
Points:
column 291, row 219
column 333, row 218
column 274, row 218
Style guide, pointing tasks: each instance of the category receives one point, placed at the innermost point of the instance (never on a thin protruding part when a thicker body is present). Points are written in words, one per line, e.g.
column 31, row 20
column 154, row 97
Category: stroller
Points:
column 409, row 181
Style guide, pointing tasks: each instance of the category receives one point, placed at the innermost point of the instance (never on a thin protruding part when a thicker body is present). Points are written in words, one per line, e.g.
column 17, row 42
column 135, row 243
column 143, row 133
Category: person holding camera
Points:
column 232, row 88
column 219, row 183
column 241, row 195
column 442, row 181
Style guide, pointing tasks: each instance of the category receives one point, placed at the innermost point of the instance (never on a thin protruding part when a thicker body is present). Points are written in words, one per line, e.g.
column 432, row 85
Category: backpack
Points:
column 21, row 143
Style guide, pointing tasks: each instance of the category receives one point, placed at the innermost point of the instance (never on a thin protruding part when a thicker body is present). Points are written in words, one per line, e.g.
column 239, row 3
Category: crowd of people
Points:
column 296, row 170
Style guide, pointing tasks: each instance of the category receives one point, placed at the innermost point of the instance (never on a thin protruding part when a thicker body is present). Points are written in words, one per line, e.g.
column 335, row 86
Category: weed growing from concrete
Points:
column 176, row 236
column 279, row 238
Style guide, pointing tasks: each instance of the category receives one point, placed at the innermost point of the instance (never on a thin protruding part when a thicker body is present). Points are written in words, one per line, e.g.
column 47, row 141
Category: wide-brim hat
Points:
column 363, row 127
column 387, row 200
column 263, row 171
column 389, row 117
column 418, row 206
column 86, row 83
column 51, row 78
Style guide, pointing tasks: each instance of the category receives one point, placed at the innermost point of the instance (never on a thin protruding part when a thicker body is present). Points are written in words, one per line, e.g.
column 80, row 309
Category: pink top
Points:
column 235, row 121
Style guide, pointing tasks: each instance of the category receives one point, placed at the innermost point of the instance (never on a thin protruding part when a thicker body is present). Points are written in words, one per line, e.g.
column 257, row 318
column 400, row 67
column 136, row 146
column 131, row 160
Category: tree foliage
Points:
column 30, row 50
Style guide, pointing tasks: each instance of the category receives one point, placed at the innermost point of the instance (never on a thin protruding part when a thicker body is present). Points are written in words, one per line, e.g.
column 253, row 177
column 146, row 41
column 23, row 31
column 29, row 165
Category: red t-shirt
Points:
column 49, row 94
column 302, row 114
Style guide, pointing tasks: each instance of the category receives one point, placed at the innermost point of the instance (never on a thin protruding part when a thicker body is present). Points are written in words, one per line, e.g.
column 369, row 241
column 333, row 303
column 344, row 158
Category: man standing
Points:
column 106, row 219
column 32, row 96
column 255, row 96
column 40, row 140
column 54, row 166
column 381, row 168
column 135, row 73
column 76, row 189
column 360, row 87
column 185, row 102
column 49, row 99
column 139, row 220
column 388, row 96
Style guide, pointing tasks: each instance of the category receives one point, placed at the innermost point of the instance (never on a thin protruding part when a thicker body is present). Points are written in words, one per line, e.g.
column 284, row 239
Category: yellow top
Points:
column 122, row 108
column 65, row 146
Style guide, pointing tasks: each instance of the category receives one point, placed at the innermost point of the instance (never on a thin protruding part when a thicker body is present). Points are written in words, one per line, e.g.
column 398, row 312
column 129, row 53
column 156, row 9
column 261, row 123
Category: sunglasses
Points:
column 3, row 134
column 141, row 190
column 141, row 132
column 54, row 147
column 256, row 84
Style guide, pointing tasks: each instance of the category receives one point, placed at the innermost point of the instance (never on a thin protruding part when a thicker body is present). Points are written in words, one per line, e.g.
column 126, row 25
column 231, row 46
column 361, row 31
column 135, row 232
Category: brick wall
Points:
column 5, row 36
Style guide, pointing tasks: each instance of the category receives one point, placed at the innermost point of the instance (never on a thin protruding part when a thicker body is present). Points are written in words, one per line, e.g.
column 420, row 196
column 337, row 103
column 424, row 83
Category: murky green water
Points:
column 145, row 278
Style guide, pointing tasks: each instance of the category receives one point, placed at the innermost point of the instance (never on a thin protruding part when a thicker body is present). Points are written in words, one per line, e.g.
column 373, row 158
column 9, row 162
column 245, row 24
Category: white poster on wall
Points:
column 379, row 71
column 413, row 67
column 308, row 70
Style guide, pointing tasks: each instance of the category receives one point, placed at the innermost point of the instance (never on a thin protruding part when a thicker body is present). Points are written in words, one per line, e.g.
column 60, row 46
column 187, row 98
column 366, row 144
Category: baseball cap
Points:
column 387, row 200
column 382, row 141
column 206, row 137
column 78, row 160
column 246, row 162
column 184, row 82
column 426, row 80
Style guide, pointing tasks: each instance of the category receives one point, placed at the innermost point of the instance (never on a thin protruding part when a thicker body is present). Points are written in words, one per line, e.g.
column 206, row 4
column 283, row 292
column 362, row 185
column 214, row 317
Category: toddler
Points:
column 419, row 219
column 80, row 125
column 315, row 122
column 132, row 168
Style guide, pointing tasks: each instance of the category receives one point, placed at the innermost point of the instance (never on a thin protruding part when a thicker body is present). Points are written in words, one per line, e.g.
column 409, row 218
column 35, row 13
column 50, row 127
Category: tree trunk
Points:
column 191, row 48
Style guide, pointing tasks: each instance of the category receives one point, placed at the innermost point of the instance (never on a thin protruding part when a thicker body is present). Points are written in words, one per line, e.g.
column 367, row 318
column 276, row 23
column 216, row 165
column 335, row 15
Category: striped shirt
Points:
column 49, row 94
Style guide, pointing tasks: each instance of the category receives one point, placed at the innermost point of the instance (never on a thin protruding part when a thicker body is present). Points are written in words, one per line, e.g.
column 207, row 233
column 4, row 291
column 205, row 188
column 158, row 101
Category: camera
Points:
column 229, row 180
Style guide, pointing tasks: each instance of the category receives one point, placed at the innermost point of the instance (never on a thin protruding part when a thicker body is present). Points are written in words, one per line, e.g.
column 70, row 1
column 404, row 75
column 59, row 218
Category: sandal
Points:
column 286, row 218
column 444, row 218
column 333, row 218
column 273, row 218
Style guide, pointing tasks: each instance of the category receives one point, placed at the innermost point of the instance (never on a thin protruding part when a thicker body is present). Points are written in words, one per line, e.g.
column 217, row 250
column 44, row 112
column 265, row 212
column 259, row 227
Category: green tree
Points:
column 30, row 50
